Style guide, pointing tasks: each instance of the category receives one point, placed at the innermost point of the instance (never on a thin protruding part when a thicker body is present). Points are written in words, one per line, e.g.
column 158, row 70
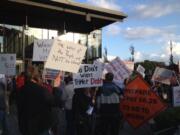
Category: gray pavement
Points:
column 128, row 130
column 12, row 126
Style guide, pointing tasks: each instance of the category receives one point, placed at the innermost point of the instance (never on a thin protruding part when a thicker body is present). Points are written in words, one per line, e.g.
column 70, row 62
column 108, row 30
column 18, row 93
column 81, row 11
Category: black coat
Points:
column 2, row 96
column 35, row 105
column 80, row 105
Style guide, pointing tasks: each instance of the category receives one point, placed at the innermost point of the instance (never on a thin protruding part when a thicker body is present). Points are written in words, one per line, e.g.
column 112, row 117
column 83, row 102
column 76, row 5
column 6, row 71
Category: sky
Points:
column 149, row 28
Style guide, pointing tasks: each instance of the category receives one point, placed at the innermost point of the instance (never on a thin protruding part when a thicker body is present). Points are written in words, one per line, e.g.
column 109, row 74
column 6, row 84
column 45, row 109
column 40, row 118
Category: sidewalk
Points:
column 12, row 127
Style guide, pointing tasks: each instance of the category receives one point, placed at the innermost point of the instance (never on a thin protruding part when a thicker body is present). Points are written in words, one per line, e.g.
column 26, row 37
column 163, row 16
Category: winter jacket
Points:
column 35, row 109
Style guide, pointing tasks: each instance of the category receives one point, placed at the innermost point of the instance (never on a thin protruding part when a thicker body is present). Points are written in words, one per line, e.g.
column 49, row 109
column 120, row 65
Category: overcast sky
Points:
column 150, row 26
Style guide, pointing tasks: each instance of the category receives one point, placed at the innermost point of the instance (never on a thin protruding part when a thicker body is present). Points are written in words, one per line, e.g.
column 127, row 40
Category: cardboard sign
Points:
column 8, row 64
column 119, row 69
column 41, row 49
column 140, row 104
column 176, row 96
column 89, row 75
column 140, row 69
column 163, row 75
column 65, row 56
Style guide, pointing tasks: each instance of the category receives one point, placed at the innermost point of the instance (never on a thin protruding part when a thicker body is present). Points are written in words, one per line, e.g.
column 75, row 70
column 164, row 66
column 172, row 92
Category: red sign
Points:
column 140, row 103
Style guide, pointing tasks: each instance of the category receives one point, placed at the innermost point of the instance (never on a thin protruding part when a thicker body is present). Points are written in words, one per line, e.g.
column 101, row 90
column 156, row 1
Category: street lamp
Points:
column 132, row 52
column 171, row 56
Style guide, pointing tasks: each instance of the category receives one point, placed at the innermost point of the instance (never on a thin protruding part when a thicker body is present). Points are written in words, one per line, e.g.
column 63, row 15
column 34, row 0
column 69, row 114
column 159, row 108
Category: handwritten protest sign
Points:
column 8, row 64
column 118, row 68
column 163, row 75
column 89, row 75
column 140, row 69
column 41, row 49
column 140, row 104
column 65, row 56
column 176, row 96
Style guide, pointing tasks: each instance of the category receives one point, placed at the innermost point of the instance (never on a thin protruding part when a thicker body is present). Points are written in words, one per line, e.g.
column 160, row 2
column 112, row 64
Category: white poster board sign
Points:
column 65, row 56
column 41, row 49
column 129, row 65
column 176, row 96
column 8, row 64
column 118, row 68
column 89, row 75
column 140, row 69
column 162, row 75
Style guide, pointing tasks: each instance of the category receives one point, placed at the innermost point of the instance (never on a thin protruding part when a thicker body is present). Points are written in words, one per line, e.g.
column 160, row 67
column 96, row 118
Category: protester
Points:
column 2, row 107
column 20, row 81
column 82, row 111
column 108, row 107
column 47, row 85
column 59, row 124
column 13, row 92
column 67, row 97
column 35, row 105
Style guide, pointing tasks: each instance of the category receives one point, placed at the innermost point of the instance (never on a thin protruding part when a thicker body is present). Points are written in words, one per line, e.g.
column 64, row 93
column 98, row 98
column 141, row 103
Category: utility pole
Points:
column 105, row 55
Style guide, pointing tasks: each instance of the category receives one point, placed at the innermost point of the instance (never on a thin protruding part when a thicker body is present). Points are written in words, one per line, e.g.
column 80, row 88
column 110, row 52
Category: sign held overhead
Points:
column 119, row 69
column 8, row 64
column 41, row 49
column 65, row 56
column 163, row 75
column 89, row 75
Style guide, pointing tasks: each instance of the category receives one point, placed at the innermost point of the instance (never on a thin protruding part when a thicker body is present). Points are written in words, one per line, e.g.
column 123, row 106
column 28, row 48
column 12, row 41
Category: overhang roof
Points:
column 57, row 15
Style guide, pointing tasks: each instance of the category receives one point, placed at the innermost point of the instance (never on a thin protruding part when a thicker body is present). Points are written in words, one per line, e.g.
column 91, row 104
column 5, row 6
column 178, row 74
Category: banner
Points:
column 176, row 96
column 118, row 68
column 163, row 75
column 140, row 104
column 65, row 56
column 41, row 49
column 89, row 75
column 8, row 64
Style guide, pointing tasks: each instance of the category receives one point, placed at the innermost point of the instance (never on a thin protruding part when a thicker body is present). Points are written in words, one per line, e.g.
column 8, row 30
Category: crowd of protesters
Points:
column 88, row 111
